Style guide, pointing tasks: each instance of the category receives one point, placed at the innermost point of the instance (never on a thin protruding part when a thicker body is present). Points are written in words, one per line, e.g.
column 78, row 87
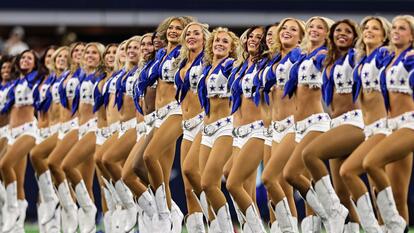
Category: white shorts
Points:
column 149, row 120
column 192, row 127
column 102, row 134
column 268, row 133
column 353, row 117
column 405, row 120
column 163, row 113
column 29, row 129
column 44, row 133
column 282, row 128
column 127, row 125
column 141, row 128
column 89, row 126
column 246, row 132
column 378, row 127
column 320, row 122
column 219, row 128
column 5, row 132
column 67, row 126
column 114, row 127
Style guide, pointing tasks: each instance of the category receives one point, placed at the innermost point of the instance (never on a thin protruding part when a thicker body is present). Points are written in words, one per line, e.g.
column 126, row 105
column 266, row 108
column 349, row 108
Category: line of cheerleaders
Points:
column 292, row 95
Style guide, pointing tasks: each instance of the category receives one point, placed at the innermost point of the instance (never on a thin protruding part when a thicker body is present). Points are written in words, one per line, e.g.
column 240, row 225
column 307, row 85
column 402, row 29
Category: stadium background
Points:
column 49, row 22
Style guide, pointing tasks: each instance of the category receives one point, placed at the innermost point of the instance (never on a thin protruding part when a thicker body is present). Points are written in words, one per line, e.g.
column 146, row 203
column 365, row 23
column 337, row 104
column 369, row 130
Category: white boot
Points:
column 214, row 227
column 195, row 223
column 389, row 213
column 284, row 217
column 40, row 212
column 313, row 201
column 337, row 213
column 69, row 212
column 128, row 202
column 87, row 212
column 224, row 219
column 351, row 227
column 147, row 203
column 115, row 207
column 107, row 222
column 176, row 218
column 3, row 197
column 366, row 215
column 22, row 216
column 54, row 225
column 240, row 217
column 253, row 220
column 311, row 224
column 12, row 210
column 274, row 227
column 49, row 196
column 163, row 222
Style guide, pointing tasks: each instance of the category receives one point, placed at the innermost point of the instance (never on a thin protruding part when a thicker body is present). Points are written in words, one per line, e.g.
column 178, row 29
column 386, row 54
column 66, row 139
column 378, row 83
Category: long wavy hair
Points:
column 118, row 64
column 74, row 66
column 234, row 50
column 327, row 22
column 184, row 52
column 128, row 63
column 410, row 20
column 385, row 26
column 333, row 52
column 56, row 54
column 277, row 46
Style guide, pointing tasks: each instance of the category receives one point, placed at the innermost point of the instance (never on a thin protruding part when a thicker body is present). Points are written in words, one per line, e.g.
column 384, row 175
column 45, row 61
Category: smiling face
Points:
column 122, row 53
column 290, row 34
column 253, row 41
column 194, row 37
column 5, row 72
column 222, row 45
column 48, row 58
column 146, row 46
column 373, row 33
column 270, row 36
column 317, row 31
column 77, row 53
column 109, row 57
column 133, row 51
column 61, row 62
column 401, row 33
column 343, row 36
column 27, row 62
column 174, row 31
column 92, row 58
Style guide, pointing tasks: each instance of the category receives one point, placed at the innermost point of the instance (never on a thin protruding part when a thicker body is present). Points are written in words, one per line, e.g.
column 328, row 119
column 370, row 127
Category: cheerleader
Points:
column 216, row 142
column 288, row 36
column 371, row 54
column 159, row 155
column 20, row 102
column 344, row 135
column 67, row 137
column 248, row 127
column 190, row 69
column 397, row 86
column 6, row 77
column 103, row 131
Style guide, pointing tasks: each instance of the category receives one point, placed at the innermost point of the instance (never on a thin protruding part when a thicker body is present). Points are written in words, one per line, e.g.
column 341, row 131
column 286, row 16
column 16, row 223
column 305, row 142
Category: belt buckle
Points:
column 209, row 130
column 188, row 125
column 279, row 127
column 243, row 132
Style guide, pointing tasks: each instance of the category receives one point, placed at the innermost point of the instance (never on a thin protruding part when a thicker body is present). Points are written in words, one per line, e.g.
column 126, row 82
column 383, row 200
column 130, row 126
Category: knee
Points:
column 226, row 172
column 345, row 173
column 368, row 165
column 98, row 162
column 66, row 167
column 207, row 185
column 148, row 158
column 189, row 172
column 106, row 161
column 139, row 170
column 308, row 155
column 290, row 176
column 267, row 181
column 233, row 186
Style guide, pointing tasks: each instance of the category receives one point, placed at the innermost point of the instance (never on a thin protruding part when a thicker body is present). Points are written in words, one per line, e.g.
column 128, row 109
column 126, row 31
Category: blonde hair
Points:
column 183, row 20
column 235, row 45
column 327, row 22
column 360, row 45
column 101, row 49
column 184, row 52
column 54, row 57
column 128, row 63
column 73, row 66
column 410, row 20
column 242, row 50
column 118, row 65
column 277, row 46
